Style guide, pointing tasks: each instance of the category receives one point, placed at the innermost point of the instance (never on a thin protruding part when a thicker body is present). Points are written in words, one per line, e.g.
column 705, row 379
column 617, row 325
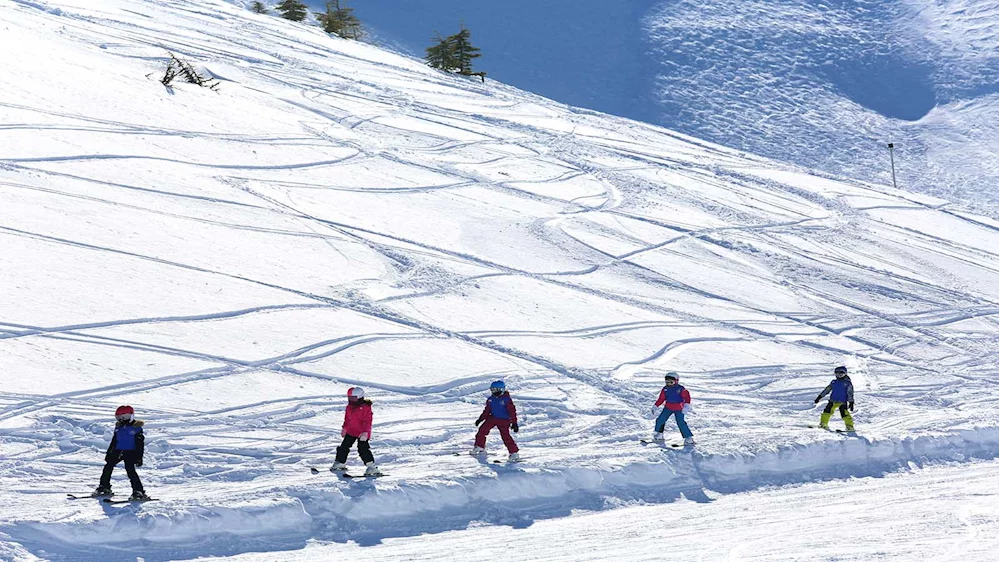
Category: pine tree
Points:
column 259, row 7
column 441, row 54
column 340, row 20
column 292, row 10
column 464, row 52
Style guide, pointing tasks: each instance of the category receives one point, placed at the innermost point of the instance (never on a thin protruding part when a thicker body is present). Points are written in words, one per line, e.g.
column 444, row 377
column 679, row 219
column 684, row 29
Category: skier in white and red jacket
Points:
column 357, row 419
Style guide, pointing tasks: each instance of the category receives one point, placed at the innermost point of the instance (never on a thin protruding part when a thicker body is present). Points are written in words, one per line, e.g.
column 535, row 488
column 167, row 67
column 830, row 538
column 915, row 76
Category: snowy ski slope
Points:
column 230, row 263
column 824, row 84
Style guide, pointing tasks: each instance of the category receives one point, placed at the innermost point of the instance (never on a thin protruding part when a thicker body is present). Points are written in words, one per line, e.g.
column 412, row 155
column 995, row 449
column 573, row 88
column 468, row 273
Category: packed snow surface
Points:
column 229, row 262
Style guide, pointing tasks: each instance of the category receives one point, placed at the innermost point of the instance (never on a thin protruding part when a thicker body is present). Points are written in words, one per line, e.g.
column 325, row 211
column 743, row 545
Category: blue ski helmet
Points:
column 498, row 387
column 840, row 372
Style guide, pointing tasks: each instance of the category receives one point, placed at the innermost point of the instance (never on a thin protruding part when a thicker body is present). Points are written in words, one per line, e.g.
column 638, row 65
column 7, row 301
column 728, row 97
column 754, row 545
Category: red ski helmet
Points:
column 355, row 393
column 124, row 413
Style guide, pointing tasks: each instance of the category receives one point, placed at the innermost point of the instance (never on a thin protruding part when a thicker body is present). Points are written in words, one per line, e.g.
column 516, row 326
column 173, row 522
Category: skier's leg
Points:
column 133, row 476
column 504, row 429
column 682, row 424
column 661, row 420
column 847, row 417
column 344, row 448
column 364, row 450
column 106, row 475
column 826, row 414
column 484, row 429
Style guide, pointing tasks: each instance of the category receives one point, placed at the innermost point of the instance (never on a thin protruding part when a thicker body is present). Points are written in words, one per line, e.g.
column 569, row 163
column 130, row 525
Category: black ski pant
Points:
column 363, row 449
column 130, row 459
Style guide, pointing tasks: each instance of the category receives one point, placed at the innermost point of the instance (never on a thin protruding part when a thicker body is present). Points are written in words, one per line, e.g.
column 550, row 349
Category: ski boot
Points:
column 658, row 436
column 138, row 495
column 338, row 467
column 372, row 469
column 688, row 441
column 102, row 491
column 477, row 450
column 514, row 457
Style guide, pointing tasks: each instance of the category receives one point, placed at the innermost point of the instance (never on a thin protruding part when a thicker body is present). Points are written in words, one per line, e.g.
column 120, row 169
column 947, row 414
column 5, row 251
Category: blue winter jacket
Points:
column 128, row 437
column 128, row 443
column 839, row 390
column 500, row 407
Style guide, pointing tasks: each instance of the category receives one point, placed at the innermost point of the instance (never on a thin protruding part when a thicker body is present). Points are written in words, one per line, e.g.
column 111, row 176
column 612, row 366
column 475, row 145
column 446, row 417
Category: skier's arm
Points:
column 483, row 415
column 512, row 411
column 140, row 446
column 367, row 418
column 685, row 395
column 849, row 392
column 825, row 391
column 662, row 397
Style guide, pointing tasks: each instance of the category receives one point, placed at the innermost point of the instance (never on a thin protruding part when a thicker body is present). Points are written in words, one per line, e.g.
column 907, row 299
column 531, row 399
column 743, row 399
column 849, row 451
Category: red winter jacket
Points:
column 357, row 418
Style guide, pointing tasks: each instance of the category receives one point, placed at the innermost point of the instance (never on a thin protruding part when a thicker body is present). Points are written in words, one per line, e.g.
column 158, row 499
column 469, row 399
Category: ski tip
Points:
column 314, row 470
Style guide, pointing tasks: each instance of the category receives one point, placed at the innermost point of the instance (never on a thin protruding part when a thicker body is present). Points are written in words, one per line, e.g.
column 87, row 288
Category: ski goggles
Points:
column 125, row 417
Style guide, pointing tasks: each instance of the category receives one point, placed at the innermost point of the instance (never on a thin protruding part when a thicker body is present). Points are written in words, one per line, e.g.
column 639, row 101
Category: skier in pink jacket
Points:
column 356, row 427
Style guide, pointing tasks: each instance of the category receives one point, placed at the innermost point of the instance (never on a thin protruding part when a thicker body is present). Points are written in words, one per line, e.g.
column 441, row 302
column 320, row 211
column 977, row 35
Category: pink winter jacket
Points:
column 357, row 419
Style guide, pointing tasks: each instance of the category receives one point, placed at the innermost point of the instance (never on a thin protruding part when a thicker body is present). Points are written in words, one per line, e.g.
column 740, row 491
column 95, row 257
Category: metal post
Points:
column 891, row 154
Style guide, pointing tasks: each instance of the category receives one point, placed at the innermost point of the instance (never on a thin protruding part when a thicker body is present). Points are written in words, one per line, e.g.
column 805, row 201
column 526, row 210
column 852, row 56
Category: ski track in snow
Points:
column 230, row 263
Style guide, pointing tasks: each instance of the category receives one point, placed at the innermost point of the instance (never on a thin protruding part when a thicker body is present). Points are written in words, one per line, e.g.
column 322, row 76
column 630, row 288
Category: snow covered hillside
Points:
column 231, row 262
column 821, row 84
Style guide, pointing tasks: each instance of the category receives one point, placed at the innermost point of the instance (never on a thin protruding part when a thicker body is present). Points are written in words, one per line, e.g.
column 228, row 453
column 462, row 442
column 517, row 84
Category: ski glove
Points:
column 138, row 462
column 343, row 433
column 850, row 405
column 515, row 427
column 819, row 399
column 655, row 411
column 478, row 421
column 688, row 410
column 363, row 437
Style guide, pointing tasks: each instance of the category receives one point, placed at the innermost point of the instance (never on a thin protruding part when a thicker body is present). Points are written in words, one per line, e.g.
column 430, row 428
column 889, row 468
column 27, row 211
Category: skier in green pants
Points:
column 840, row 392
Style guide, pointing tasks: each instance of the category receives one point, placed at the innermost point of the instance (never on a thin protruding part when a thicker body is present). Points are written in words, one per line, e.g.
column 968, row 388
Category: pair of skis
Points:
column 843, row 431
column 106, row 498
column 496, row 461
column 674, row 445
column 315, row 470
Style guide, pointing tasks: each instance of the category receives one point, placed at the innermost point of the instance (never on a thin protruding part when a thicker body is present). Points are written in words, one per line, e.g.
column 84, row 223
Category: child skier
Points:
column 127, row 445
column 840, row 392
column 356, row 427
column 676, row 402
column 499, row 413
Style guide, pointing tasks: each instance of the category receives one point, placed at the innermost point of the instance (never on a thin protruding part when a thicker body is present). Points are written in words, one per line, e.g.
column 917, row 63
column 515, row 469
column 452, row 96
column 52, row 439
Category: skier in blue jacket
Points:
column 501, row 413
column 128, row 445
column 840, row 392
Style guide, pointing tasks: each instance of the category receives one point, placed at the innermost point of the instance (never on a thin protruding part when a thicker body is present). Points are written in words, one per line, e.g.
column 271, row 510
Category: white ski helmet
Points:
column 355, row 393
